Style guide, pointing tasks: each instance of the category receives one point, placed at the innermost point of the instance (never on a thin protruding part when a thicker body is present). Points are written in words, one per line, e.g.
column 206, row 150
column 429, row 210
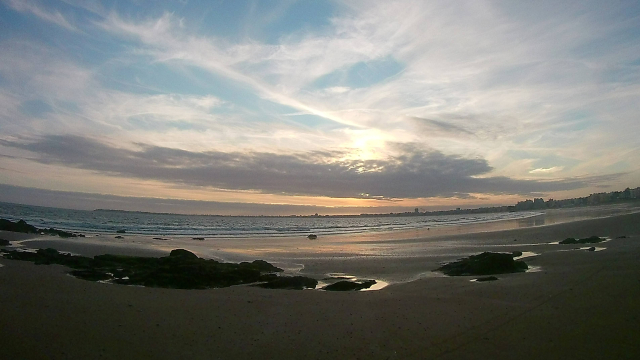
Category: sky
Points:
column 300, row 107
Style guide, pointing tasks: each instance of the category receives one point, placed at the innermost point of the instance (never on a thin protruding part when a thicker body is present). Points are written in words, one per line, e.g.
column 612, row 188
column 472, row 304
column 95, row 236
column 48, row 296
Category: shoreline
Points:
column 579, row 305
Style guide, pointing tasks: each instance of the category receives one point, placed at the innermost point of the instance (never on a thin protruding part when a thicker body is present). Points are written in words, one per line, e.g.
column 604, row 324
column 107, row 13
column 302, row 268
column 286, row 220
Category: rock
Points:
column 591, row 248
column 622, row 237
column 91, row 275
column 182, row 269
column 119, row 237
column 121, row 231
column 4, row 242
column 516, row 253
column 18, row 226
column 350, row 285
column 312, row 237
column 261, row 266
column 61, row 233
column 198, row 238
column 186, row 254
column 486, row 278
column 589, row 240
column 23, row 227
column 486, row 263
column 290, row 282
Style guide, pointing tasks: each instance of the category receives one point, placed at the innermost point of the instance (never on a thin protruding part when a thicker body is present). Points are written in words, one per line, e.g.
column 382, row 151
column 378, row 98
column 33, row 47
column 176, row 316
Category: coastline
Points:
column 579, row 305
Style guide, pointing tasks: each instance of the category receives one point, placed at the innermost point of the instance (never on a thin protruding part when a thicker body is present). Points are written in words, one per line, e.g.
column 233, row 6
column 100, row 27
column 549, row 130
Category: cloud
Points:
column 546, row 170
column 436, row 126
column 413, row 172
column 25, row 6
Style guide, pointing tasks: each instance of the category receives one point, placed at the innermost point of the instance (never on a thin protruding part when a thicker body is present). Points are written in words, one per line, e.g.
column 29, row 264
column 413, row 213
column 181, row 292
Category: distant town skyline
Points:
column 303, row 107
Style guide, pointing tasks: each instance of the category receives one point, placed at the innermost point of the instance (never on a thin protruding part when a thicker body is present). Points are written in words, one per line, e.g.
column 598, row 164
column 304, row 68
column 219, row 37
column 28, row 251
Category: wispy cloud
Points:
column 54, row 17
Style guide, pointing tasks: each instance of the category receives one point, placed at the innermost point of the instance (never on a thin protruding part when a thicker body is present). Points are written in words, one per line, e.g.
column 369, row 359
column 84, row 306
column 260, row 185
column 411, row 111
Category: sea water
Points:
column 212, row 226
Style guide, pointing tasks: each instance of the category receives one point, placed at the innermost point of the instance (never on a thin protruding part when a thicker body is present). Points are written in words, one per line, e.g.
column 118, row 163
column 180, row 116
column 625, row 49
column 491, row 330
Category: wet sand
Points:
column 580, row 305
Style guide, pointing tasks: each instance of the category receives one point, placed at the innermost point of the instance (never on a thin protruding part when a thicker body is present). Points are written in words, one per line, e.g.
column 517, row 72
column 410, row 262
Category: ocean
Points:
column 212, row 226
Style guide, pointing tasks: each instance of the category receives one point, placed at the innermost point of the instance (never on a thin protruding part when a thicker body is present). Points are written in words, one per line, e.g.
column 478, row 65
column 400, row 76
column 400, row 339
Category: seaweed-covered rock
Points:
column 198, row 238
column 350, row 285
column 312, row 237
column 486, row 278
column 290, row 282
column 4, row 242
column 590, row 240
column 487, row 263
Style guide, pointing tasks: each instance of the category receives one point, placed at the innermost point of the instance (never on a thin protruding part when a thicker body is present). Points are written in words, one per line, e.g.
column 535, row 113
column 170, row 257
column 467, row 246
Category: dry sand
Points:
column 581, row 305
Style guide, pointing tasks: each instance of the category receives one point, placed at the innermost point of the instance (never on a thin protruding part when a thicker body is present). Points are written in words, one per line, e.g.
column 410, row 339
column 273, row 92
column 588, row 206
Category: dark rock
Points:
column 198, row 238
column 261, row 266
column 312, row 237
column 61, row 233
column 119, row 237
column 18, row 226
column 4, row 242
column 159, row 238
column 186, row 254
column 589, row 240
column 622, row 237
column 91, row 275
column 487, row 263
column 121, row 231
column 591, row 248
column 516, row 253
column 486, row 278
column 290, row 282
column 182, row 269
column 23, row 227
column 350, row 285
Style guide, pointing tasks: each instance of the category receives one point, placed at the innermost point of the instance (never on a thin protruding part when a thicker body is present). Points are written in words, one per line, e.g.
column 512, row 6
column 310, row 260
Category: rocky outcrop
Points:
column 23, row 227
column 350, row 285
column 590, row 240
column 18, row 226
column 181, row 269
column 487, row 263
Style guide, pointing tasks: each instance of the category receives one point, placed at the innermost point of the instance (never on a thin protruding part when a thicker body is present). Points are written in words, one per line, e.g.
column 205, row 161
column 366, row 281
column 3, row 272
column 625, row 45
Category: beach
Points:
column 577, row 304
